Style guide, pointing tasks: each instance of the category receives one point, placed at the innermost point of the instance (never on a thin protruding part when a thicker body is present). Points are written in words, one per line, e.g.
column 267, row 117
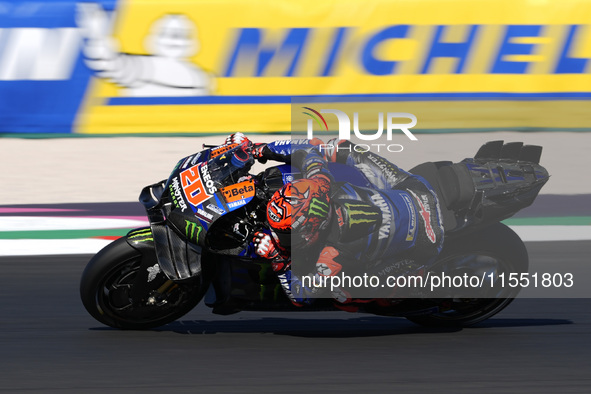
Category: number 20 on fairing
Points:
column 193, row 187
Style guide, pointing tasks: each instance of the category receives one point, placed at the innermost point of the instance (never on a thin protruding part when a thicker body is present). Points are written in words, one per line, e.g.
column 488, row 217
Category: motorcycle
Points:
column 203, row 217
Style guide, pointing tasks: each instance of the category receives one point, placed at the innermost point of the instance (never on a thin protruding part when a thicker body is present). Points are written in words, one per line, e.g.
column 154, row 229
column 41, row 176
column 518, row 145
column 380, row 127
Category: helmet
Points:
column 297, row 212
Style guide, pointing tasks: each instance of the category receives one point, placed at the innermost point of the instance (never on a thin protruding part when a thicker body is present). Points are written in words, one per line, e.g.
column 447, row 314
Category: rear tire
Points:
column 495, row 243
column 107, row 282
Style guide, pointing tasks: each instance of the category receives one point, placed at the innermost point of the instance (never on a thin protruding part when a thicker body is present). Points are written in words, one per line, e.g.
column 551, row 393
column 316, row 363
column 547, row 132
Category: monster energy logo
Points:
column 145, row 234
column 175, row 193
column 318, row 208
column 190, row 228
column 139, row 233
column 360, row 213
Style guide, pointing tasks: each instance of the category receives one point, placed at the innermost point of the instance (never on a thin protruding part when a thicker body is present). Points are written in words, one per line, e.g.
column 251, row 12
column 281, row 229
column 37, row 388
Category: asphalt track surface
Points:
column 50, row 344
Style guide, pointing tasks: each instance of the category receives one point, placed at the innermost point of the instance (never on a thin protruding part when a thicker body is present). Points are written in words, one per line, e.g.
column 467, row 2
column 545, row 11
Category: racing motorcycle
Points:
column 203, row 217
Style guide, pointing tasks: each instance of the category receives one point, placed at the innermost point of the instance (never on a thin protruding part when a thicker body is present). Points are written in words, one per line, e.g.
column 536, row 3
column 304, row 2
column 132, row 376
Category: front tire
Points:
column 106, row 288
column 496, row 243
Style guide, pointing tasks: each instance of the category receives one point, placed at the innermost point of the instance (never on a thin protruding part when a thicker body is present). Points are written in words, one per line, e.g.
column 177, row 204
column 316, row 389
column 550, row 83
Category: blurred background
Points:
column 112, row 67
column 135, row 69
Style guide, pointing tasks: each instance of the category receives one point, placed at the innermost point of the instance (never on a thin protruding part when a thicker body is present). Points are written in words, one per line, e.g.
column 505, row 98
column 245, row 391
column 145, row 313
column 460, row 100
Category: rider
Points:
column 392, row 226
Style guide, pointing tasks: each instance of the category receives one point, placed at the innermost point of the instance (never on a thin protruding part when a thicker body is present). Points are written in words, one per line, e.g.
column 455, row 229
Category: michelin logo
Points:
column 165, row 72
column 38, row 54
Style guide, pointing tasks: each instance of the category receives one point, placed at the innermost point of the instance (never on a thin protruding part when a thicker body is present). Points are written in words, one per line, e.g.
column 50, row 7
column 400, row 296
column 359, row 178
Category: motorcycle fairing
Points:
column 499, row 181
column 238, row 195
column 177, row 258
column 198, row 182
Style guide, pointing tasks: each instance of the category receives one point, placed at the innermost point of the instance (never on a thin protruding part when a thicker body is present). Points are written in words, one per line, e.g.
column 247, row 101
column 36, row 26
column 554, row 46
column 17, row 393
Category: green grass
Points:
column 550, row 221
column 63, row 234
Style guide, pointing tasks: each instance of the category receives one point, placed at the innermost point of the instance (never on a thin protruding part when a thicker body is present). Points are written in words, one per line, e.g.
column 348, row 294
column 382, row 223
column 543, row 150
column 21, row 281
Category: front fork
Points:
column 142, row 292
column 141, row 240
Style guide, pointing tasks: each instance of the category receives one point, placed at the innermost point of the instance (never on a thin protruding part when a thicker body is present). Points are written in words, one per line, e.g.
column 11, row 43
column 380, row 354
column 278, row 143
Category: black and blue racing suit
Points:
column 390, row 226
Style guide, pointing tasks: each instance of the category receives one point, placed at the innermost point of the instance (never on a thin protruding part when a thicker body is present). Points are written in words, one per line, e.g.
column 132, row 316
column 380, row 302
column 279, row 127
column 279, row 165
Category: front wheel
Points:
column 494, row 250
column 107, row 285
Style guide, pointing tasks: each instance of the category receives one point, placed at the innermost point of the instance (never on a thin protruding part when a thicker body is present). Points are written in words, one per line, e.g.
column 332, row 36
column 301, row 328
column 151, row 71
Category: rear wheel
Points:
column 109, row 279
column 493, row 251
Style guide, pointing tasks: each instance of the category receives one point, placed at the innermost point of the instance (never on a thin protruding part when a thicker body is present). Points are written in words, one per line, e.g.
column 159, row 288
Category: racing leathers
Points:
column 390, row 225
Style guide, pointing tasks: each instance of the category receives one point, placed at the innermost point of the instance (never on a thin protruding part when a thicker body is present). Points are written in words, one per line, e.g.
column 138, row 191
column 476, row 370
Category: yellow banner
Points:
column 233, row 65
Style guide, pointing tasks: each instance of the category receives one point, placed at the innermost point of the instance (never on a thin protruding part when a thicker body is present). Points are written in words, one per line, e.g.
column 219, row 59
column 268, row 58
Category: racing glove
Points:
column 237, row 138
column 261, row 152
column 265, row 247
column 242, row 156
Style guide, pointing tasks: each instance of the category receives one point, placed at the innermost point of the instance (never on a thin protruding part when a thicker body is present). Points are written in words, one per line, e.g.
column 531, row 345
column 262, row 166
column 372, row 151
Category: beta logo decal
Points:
column 239, row 191
column 425, row 214
column 197, row 184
